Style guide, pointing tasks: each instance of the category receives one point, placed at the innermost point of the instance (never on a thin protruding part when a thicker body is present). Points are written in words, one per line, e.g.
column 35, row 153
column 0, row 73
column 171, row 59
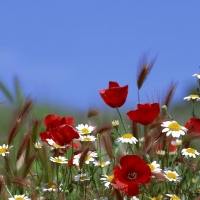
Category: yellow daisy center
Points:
column 190, row 150
column 151, row 167
column 110, row 178
column 58, row 160
column 194, row 96
column 3, row 150
column 171, row 175
column 19, row 198
column 102, row 163
column 57, row 145
column 51, row 185
column 174, row 126
column 83, row 178
column 87, row 139
column 127, row 136
column 87, row 157
column 174, row 197
column 85, row 131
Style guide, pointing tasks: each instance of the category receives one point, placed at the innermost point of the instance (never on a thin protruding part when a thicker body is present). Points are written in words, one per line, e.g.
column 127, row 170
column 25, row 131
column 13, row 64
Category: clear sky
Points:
column 65, row 51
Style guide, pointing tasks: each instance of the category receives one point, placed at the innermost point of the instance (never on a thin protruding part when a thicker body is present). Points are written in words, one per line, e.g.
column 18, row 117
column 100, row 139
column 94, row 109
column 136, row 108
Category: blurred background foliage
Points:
column 10, row 102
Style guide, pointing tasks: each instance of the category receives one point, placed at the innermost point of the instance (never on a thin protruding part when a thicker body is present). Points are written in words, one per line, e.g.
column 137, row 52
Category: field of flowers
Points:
column 151, row 156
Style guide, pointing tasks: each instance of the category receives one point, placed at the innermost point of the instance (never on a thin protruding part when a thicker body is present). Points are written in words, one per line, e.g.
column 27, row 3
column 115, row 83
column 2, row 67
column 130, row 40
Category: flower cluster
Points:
column 148, row 155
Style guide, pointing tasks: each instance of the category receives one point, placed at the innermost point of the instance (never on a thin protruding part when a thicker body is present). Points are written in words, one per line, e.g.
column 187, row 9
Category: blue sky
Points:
column 63, row 52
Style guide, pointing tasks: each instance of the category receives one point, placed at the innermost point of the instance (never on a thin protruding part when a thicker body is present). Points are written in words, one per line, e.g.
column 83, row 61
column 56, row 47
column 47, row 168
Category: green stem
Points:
column 121, row 120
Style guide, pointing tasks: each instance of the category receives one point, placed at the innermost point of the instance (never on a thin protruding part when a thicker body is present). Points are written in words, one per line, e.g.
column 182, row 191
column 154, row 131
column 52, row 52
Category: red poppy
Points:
column 59, row 129
column 193, row 125
column 145, row 114
column 53, row 121
column 114, row 96
column 133, row 171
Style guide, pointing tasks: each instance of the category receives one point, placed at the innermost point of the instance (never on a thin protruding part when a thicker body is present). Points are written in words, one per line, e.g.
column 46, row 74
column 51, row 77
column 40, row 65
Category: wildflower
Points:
column 193, row 97
column 132, row 198
column 193, row 125
column 89, row 158
column 176, row 142
column 38, row 145
column 51, row 186
column 87, row 138
column 107, row 180
column 101, row 163
column 173, row 197
column 127, row 138
column 60, row 130
column 4, row 149
column 59, row 159
column 82, row 177
column 132, row 172
column 190, row 152
column 171, row 175
column 154, row 167
column 54, row 144
column 160, row 152
column 145, row 114
column 197, row 75
column 84, row 129
column 115, row 96
column 115, row 123
column 19, row 197
column 173, row 128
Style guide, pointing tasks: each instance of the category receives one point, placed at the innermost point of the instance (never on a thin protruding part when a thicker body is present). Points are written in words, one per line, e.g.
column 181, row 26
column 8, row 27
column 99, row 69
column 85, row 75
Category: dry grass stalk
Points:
column 34, row 132
column 103, row 129
column 83, row 156
column 19, row 120
column 22, row 182
column 108, row 145
column 170, row 93
column 92, row 113
column 23, row 145
column 144, row 69
column 29, row 163
column 2, row 182
column 46, row 163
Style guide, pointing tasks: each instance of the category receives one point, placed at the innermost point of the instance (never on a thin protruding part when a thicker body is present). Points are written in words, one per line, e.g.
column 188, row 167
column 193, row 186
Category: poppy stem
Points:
column 121, row 120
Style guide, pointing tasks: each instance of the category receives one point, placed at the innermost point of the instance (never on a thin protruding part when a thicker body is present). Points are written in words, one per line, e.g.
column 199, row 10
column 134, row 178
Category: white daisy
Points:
column 176, row 142
column 190, row 152
column 171, row 175
column 19, row 197
column 91, row 155
column 101, row 163
column 54, row 144
column 155, row 167
column 173, row 128
column 193, row 97
column 115, row 123
column 173, row 197
column 107, row 180
column 197, row 75
column 160, row 152
column 84, row 129
column 87, row 138
column 127, row 138
column 51, row 187
column 4, row 149
column 59, row 159
column 38, row 145
column 82, row 177
column 132, row 198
